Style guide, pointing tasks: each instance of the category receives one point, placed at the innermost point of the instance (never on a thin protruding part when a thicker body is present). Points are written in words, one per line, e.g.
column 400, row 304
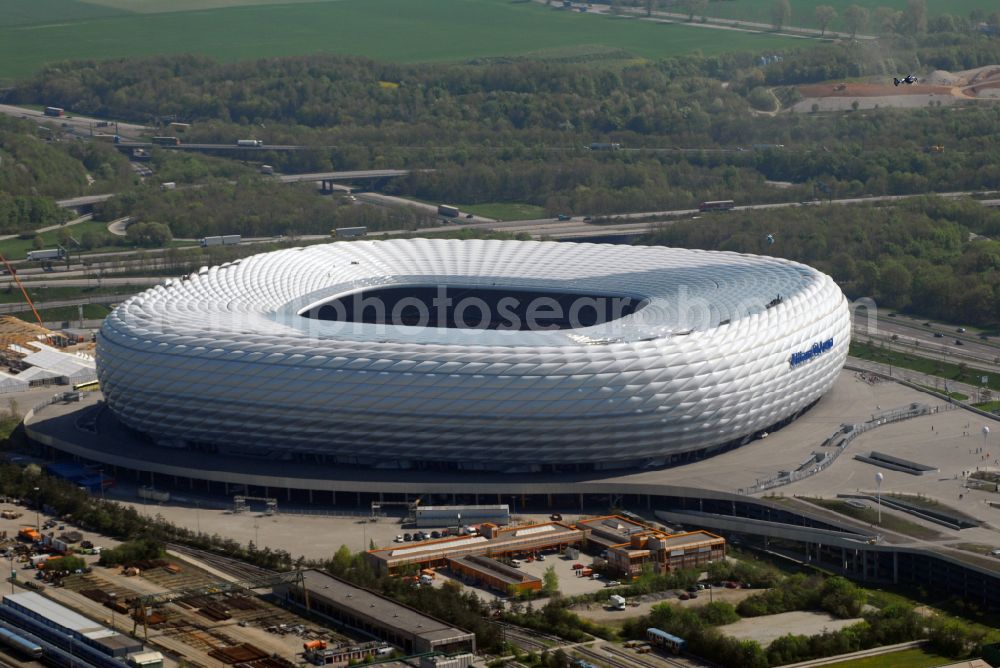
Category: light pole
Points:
column 197, row 515
column 72, row 659
column 38, row 523
column 878, row 494
column 112, row 596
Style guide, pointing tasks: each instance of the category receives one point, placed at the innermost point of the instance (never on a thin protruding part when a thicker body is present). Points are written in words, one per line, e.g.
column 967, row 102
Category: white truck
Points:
column 266, row 169
column 249, row 142
column 225, row 240
column 617, row 602
column 153, row 494
column 47, row 254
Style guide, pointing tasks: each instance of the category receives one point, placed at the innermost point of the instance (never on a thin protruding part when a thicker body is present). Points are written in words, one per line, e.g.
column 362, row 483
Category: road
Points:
column 81, row 125
column 20, row 306
column 75, row 221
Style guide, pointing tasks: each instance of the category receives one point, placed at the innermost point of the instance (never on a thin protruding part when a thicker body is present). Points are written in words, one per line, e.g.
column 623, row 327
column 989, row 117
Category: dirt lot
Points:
column 939, row 88
column 599, row 613
column 766, row 629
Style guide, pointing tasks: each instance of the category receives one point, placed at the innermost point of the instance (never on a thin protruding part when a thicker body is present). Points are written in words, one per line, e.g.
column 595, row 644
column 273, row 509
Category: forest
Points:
column 930, row 255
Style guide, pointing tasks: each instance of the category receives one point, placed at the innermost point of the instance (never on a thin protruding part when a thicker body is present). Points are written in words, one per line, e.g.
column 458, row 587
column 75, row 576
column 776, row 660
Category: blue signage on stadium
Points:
column 817, row 349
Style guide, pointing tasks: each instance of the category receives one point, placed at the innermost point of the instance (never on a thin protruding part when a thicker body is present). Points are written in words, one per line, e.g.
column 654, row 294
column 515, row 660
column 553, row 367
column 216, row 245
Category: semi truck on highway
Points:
column 54, row 111
column 225, row 240
column 47, row 254
column 249, row 142
column 448, row 211
column 166, row 141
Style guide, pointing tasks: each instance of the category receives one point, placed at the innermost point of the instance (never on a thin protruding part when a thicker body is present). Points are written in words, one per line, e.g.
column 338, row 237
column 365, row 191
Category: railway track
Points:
column 528, row 640
column 228, row 565
column 602, row 659
column 642, row 661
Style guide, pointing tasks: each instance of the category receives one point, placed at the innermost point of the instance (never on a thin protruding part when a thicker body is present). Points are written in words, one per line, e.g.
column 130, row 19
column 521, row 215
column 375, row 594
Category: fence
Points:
column 849, row 432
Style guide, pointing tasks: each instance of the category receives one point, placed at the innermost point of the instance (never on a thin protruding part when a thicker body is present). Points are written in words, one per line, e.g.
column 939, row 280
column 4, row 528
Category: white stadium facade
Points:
column 504, row 356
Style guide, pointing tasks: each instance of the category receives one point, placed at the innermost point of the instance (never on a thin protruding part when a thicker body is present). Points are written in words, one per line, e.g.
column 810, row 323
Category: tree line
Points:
column 929, row 255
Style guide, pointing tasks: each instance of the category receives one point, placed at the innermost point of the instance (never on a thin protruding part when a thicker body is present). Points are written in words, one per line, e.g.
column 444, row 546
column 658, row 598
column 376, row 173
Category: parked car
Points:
column 577, row 567
column 541, row 557
column 685, row 596
column 435, row 534
column 938, row 335
column 960, row 330
column 692, row 589
column 399, row 539
column 958, row 342
column 407, row 537
column 693, row 594
column 555, row 517
column 613, row 583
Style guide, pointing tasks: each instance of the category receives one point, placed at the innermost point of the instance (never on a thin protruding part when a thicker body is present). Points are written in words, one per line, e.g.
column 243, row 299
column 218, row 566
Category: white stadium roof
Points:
column 723, row 346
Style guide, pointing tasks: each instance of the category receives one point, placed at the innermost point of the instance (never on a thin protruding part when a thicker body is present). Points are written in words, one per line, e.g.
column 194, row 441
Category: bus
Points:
column 717, row 205
column 89, row 385
column 665, row 640
column 167, row 141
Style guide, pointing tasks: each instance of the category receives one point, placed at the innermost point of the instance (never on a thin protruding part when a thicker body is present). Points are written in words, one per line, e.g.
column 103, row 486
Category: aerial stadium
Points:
column 502, row 356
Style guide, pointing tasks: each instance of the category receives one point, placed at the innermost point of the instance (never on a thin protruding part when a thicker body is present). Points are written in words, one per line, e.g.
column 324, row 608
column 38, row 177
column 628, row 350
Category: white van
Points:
column 516, row 563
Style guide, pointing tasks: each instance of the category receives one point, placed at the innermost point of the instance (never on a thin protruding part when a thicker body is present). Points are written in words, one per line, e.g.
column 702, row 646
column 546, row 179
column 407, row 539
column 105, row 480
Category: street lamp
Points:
column 878, row 494
column 38, row 523
column 112, row 596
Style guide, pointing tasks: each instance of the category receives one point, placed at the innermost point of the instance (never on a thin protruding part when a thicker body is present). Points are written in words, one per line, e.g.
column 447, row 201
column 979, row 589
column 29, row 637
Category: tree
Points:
column 856, row 18
column 149, row 235
column 781, row 13
column 825, row 14
column 37, row 242
column 550, row 581
column 915, row 16
column 887, row 19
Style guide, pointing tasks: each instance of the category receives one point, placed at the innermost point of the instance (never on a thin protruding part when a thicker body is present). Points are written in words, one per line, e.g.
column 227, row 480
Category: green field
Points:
column 66, row 313
column 908, row 658
column 394, row 30
column 506, row 211
column 804, row 11
column 17, row 249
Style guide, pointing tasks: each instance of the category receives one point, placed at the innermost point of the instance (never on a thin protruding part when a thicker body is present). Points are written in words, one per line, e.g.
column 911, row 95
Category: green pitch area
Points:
column 45, row 31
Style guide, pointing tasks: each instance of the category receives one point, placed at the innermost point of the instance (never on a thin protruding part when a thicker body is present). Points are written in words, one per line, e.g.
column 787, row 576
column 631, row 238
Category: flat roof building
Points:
column 494, row 574
column 375, row 615
column 449, row 516
column 603, row 532
column 665, row 552
column 492, row 541
column 63, row 619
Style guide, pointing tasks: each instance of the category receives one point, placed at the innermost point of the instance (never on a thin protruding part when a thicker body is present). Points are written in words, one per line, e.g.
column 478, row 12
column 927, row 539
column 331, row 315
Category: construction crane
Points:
column 13, row 273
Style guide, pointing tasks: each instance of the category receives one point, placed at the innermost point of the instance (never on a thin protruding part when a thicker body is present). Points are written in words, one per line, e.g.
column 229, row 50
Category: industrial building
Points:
column 491, row 541
column 578, row 351
column 493, row 574
column 68, row 623
column 666, row 552
column 366, row 612
column 604, row 532
column 450, row 516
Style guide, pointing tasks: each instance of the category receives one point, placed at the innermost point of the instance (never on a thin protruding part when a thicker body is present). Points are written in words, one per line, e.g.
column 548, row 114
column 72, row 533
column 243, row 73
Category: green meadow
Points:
column 46, row 31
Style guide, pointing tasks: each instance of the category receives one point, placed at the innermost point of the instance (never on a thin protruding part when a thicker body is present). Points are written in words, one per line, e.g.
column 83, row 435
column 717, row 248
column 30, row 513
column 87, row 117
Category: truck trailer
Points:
column 225, row 240
column 249, row 142
column 55, row 111
column 46, row 254
column 448, row 211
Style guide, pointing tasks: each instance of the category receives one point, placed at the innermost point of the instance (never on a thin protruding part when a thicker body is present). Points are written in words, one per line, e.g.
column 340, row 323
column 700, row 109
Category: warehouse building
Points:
column 450, row 516
column 492, row 541
column 376, row 616
column 69, row 623
column 665, row 552
column 491, row 573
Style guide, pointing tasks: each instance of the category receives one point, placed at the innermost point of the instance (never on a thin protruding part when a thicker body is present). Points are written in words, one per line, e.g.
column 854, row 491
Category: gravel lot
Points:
column 769, row 627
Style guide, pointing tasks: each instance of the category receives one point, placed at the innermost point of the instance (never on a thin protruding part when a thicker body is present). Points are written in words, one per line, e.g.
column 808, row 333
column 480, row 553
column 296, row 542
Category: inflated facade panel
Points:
column 723, row 347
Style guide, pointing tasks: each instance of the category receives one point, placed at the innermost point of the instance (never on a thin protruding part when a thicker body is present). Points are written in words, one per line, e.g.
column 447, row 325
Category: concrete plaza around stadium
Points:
column 852, row 400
